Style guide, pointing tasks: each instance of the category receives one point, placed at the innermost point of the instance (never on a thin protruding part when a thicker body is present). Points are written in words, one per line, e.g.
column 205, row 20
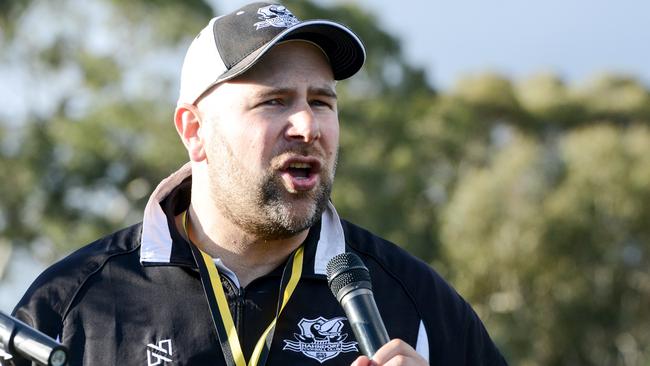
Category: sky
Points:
column 576, row 39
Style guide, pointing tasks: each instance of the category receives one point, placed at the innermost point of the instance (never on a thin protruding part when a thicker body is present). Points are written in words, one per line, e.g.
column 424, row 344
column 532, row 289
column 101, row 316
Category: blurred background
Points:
column 505, row 143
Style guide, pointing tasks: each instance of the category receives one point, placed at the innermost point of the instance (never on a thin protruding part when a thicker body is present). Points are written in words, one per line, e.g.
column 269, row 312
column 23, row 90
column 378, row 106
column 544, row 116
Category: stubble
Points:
column 260, row 205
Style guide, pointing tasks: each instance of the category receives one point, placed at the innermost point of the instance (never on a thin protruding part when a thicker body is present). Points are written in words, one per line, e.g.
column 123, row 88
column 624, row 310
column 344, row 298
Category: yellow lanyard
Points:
column 226, row 328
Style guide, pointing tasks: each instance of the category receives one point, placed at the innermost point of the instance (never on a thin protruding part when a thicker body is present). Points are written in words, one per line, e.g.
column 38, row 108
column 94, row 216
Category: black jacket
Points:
column 135, row 298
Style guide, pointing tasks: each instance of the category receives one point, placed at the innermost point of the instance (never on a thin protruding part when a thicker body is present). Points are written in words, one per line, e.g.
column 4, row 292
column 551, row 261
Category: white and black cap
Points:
column 230, row 44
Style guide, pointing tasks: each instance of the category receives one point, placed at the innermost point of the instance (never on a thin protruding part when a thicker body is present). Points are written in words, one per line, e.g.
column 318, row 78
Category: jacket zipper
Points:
column 237, row 305
column 240, row 315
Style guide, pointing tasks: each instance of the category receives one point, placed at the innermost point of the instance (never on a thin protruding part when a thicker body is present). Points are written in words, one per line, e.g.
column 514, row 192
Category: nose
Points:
column 303, row 125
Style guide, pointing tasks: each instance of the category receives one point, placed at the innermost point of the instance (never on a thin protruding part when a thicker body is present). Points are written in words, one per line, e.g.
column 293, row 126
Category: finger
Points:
column 401, row 360
column 362, row 361
column 392, row 349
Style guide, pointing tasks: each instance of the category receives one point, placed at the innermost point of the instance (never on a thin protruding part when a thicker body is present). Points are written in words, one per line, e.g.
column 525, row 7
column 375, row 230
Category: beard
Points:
column 259, row 203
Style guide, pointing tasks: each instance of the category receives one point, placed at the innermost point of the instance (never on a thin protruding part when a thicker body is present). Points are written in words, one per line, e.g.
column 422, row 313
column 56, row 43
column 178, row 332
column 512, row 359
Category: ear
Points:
column 188, row 125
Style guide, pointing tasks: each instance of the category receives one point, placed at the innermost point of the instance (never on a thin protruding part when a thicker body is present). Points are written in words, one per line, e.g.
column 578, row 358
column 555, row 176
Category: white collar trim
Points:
column 331, row 241
column 156, row 245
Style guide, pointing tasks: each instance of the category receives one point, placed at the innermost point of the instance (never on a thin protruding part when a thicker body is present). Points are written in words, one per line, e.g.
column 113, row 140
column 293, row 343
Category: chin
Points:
column 289, row 219
column 302, row 215
column 288, row 214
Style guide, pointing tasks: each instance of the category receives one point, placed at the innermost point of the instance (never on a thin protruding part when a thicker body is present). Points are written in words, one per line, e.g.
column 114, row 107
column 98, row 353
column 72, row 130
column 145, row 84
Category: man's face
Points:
column 271, row 141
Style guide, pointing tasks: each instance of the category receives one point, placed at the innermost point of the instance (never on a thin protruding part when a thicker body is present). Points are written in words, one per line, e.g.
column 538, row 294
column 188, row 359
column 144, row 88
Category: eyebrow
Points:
column 321, row 91
column 327, row 92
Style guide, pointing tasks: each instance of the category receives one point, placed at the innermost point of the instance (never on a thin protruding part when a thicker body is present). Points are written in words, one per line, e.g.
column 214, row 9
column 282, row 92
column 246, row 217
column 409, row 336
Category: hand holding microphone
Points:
column 349, row 280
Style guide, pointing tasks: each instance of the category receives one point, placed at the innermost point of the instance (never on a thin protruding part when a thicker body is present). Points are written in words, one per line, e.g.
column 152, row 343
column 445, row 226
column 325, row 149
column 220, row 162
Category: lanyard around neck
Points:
column 218, row 303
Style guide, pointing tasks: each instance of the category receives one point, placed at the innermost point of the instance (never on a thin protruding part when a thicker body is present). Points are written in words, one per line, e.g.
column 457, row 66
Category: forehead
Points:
column 288, row 66
column 290, row 60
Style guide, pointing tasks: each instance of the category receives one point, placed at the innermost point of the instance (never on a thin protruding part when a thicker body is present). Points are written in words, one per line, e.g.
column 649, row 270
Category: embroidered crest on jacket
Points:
column 320, row 339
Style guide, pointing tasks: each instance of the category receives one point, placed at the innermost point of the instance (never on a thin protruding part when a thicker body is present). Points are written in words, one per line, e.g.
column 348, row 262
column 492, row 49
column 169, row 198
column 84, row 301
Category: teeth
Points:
column 299, row 166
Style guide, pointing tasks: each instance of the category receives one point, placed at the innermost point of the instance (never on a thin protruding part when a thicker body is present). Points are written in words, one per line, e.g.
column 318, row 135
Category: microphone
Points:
column 349, row 280
column 18, row 338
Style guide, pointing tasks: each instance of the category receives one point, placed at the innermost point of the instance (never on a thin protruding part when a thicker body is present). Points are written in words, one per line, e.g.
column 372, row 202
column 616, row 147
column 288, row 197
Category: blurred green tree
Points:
column 551, row 242
column 81, row 163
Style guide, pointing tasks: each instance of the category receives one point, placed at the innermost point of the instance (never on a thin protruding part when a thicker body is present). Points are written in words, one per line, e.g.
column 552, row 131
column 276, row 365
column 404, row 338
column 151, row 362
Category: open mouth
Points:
column 301, row 173
column 300, row 170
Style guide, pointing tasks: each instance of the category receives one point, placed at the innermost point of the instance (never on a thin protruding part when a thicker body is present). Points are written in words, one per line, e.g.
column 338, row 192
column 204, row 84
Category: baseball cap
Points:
column 231, row 44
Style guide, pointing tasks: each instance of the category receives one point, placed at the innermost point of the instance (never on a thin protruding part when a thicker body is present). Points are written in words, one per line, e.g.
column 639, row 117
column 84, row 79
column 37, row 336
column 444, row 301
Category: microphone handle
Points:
column 360, row 307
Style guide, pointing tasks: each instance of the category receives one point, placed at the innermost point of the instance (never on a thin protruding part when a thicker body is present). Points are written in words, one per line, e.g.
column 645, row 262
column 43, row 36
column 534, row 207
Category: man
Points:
column 228, row 265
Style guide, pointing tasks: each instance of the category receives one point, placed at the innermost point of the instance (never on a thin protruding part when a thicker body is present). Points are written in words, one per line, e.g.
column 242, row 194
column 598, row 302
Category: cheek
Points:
column 226, row 142
column 256, row 146
column 330, row 136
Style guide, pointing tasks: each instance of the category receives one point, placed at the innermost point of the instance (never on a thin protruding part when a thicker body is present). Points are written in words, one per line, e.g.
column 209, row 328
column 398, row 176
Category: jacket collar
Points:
column 156, row 243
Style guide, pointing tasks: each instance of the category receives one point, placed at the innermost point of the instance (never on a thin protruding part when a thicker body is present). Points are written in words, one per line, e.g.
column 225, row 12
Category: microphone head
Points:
column 346, row 272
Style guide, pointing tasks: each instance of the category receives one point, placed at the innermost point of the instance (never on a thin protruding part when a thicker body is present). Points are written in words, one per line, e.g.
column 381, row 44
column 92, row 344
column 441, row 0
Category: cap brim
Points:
column 342, row 47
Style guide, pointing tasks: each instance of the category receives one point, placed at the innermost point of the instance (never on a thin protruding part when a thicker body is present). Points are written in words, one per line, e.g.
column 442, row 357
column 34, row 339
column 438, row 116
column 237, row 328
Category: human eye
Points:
column 322, row 103
column 272, row 102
